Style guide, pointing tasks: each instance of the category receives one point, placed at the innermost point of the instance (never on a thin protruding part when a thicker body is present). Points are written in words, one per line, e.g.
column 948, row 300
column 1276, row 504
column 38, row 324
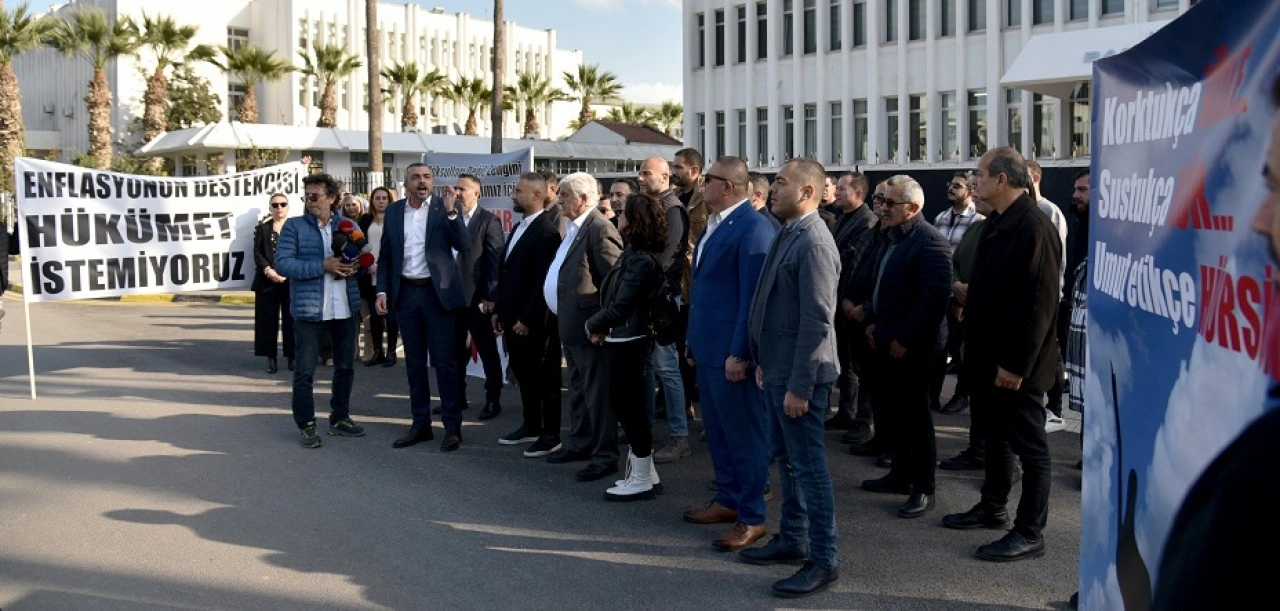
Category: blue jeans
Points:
column 664, row 364
column 308, row 335
column 808, row 501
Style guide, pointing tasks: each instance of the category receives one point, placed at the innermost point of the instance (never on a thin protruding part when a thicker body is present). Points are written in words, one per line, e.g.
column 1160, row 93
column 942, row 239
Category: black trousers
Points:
column 847, row 334
column 270, row 306
column 535, row 363
column 1014, row 425
column 380, row 326
column 480, row 327
column 906, row 402
column 626, row 392
column 871, row 381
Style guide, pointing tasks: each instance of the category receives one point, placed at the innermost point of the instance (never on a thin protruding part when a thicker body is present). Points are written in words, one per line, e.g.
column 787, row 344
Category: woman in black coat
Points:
column 623, row 327
column 271, row 300
column 371, row 224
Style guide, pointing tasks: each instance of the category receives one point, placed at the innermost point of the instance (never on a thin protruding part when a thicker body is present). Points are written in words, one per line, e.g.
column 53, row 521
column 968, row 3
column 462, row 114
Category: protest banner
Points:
column 92, row 233
column 1184, row 323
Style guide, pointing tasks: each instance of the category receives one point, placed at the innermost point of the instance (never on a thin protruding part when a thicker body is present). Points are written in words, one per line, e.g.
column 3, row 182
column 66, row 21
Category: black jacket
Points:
column 914, row 288
column 518, row 296
column 855, row 235
column 861, row 281
column 627, row 294
column 478, row 267
column 1013, row 298
column 264, row 256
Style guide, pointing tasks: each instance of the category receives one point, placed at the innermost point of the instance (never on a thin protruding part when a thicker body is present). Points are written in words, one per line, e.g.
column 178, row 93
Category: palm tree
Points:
column 169, row 42
column 629, row 114
column 251, row 66
column 473, row 95
column 591, row 83
column 668, row 116
column 19, row 33
column 328, row 64
column 499, row 67
column 89, row 34
column 407, row 80
column 374, row 51
column 534, row 91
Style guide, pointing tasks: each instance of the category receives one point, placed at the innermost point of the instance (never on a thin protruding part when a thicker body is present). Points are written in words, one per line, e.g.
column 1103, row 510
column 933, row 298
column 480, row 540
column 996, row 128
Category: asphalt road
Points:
column 160, row 468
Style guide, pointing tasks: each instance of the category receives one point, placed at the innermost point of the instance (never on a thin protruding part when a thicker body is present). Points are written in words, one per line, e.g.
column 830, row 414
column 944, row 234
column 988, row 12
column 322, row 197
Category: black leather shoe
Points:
column 966, row 460
column 888, row 483
column 980, row 516
column 859, row 433
column 595, row 471
column 810, row 579
column 564, row 455
column 869, row 448
column 775, row 552
column 917, row 505
column 1013, row 546
column 437, row 410
column 271, row 365
column 885, row 461
column 955, row 406
column 379, row 357
column 414, row 436
column 391, row 360
column 290, row 363
column 452, row 440
column 490, row 411
column 838, row 422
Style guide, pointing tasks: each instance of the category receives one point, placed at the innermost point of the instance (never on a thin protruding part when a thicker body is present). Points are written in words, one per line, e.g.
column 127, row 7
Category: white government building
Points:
column 880, row 84
column 458, row 44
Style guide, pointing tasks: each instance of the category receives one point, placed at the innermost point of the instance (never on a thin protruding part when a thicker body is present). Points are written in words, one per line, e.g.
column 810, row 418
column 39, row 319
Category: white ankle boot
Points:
column 653, row 477
column 638, row 485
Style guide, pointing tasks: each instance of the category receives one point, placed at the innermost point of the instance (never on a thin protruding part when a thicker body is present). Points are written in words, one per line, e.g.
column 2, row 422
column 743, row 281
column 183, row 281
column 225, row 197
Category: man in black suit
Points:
column 420, row 288
column 529, row 330
column 478, row 269
column 1011, row 353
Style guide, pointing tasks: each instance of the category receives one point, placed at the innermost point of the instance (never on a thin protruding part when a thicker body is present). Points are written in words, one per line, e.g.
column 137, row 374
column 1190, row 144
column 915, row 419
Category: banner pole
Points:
column 26, row 315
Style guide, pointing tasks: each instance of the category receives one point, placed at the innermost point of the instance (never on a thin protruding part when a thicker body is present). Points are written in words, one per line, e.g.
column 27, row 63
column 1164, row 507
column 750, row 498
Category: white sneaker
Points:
column 1053, row 424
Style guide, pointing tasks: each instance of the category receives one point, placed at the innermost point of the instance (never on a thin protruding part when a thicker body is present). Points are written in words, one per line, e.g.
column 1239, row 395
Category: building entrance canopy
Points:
column 1052, row 64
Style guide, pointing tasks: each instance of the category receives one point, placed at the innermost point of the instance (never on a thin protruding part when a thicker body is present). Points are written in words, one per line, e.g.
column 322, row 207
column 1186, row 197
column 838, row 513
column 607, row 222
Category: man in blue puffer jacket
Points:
column 324, row 300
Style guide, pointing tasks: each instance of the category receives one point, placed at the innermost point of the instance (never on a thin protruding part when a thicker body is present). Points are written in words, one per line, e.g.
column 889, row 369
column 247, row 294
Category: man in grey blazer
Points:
column 791, row 335
column 590, row 248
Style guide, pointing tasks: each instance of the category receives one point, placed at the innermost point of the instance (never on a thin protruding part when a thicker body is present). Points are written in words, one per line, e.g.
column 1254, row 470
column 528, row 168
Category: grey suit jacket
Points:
column 595, row 248
column 794, row 307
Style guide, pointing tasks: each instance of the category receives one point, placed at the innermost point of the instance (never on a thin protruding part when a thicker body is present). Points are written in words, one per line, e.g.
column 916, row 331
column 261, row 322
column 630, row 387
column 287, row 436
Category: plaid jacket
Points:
column 1076, row 355
column 953, row 226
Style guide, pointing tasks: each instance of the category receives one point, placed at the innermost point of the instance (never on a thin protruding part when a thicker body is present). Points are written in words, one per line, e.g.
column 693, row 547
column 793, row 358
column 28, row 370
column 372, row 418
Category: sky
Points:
column 638, row 40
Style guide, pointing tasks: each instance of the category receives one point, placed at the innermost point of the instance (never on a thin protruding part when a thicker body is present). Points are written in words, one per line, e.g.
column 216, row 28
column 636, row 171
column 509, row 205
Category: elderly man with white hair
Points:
column 909, row 302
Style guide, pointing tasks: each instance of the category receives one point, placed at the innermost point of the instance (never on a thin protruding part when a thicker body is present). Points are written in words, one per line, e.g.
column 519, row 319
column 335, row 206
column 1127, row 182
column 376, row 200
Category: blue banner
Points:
column 1184, row 320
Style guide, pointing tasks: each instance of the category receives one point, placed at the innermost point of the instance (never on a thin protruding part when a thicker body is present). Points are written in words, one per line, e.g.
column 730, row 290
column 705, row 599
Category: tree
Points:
column 591, row 83
column 473, row 95
column 328, row 64
column 19, row 32
column 191, row 101
column 406, row 80
column 499, row 73
column 373, row 49
column 251, row 65
column 169, row 42
column 89, row 34
column 668, row 116
column 534, row 91
column 627, row 113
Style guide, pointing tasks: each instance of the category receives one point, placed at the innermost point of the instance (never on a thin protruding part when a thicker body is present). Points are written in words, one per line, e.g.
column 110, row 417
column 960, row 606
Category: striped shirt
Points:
column 953, row 225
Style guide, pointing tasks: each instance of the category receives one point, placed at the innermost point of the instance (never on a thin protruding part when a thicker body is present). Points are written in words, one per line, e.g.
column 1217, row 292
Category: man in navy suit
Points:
column 726, row 267
column 479, row 272
column 421, row 289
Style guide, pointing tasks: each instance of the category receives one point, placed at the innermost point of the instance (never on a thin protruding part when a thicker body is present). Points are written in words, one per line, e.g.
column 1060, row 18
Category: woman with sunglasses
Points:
column 372, row 223
column 271, row 300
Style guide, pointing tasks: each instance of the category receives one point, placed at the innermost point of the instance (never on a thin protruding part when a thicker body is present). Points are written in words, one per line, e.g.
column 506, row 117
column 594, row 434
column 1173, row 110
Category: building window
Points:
column 837, row 134
column 1012, row 13
column 978, row 15
column 860, row 130
column 834, row 26
column 891, row 128
column 1013, row 99
column 188, row 165
column 1112, row 7
column 1044, row 122
column 916, row 130
column 1165, row 4
column 915, row 19
column 235, row 94
column 890, row 20
column 1042, row 12
column 237, row 38
column 977, row 122
column 302, row 35
column 789, row 131
column 1079, row 9
column 810, row 26
column 950, row 125
column 947, row 18
column 741, row 42
column 811, row 131
column 859, row 24
column 702, row 40
column 720, row 133
column 762, row 136
column 1080, row 120
column 742, row 133
column 762, row 30
column 702, row 131
column 719, row 38
column 788, row 28
column 346, row 95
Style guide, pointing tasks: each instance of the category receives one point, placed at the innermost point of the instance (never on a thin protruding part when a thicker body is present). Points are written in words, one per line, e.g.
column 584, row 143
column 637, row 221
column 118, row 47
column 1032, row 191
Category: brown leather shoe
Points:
column 739, row 537
column 711, row 513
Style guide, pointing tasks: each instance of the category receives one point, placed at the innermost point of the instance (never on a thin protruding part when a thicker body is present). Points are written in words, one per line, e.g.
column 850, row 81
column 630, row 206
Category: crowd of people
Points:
column 764, row 303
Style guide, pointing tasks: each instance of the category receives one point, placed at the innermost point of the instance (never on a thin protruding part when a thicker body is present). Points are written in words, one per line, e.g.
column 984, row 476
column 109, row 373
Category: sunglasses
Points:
column 710, row 176
column 877, row 199
column 279, row 204
column 311, row 197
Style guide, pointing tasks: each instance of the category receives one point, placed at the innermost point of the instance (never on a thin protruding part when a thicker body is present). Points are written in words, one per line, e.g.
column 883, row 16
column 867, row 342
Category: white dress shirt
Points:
column 712, row 224
column 336, row 306
column 553, row 273
column 415, row 242
column 520, row 229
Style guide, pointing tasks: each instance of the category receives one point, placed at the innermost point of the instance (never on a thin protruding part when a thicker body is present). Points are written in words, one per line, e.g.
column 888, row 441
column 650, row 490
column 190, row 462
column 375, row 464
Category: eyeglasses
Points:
column 710, row 176
column 877, row 199
column 891, row 203
column 279, row 204
column 311, row 197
